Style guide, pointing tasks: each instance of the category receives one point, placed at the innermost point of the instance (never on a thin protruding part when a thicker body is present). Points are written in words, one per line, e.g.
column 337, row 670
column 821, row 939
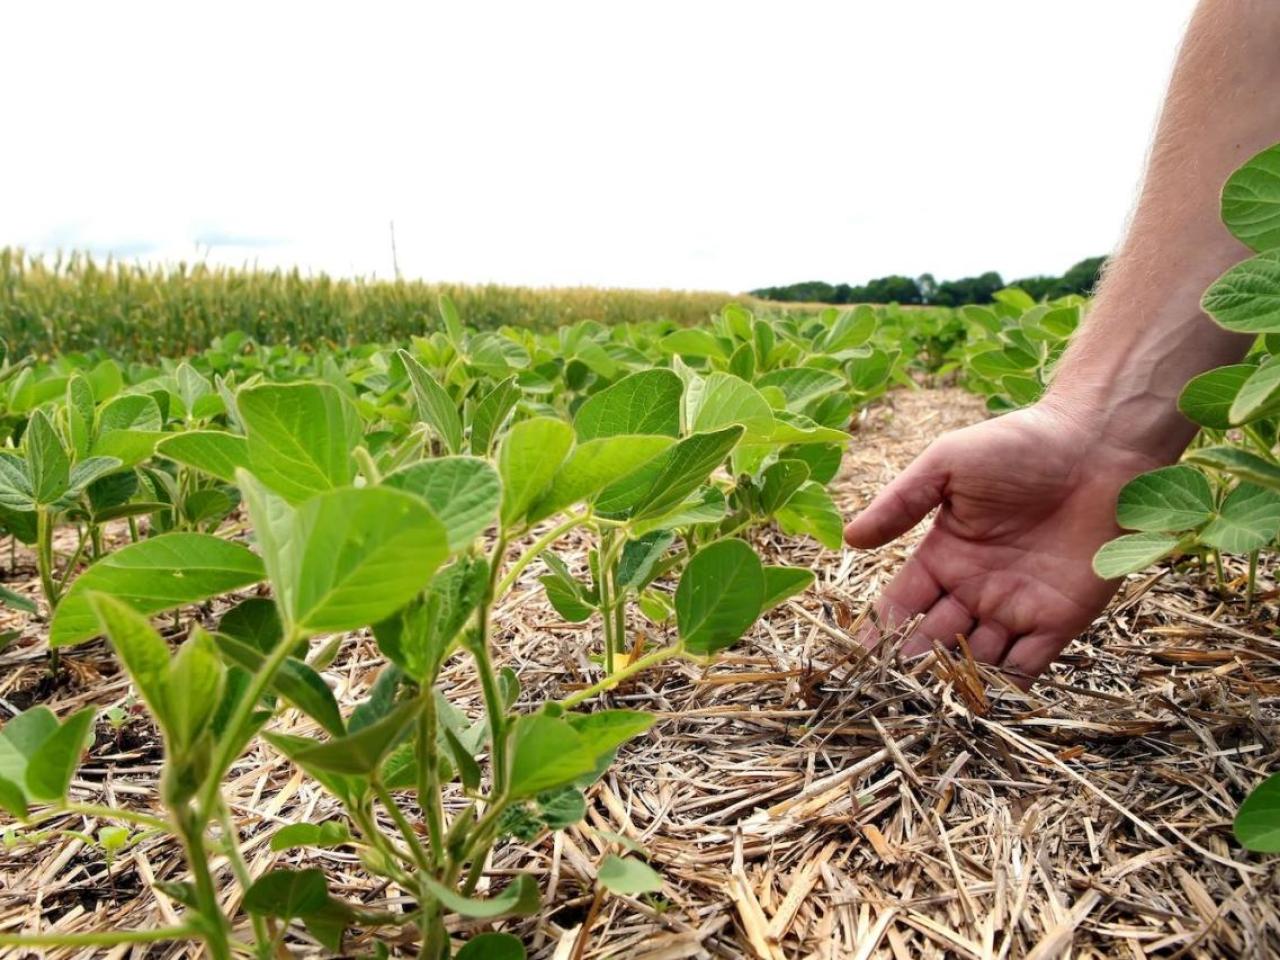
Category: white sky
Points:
column 698, row 144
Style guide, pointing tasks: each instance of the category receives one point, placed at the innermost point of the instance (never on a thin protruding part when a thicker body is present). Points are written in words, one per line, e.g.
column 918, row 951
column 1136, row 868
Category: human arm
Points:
column 1026, row 499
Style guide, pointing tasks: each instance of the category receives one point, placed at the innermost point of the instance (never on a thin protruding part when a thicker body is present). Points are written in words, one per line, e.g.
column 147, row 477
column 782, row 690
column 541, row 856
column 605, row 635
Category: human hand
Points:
column 1026, row 500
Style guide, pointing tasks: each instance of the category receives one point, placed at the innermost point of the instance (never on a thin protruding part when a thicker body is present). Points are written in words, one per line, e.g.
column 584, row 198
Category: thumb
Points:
column 902, row 504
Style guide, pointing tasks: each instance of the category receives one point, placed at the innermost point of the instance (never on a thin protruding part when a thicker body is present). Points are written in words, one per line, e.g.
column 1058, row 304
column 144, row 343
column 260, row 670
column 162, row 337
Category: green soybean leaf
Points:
column 780, row 481
column 20, row 740
column 54, row 762
column 152, row 576
column 89, row 470
column 1132, row 553
column 194, row 687
column 546, row 752
column 851, row 329
column 1257, row 823
column 1248, row 520
column 1246, row 298
column 435, row 406
column 131, row 412
column 1240, row 463
column 331, row 833
column 492, row 946
column 1257, row 396
column 693, row 343
column 1208, row 398
column 594, row 465
column 1166, row 500
column 295, row 680
column 419, row 636
column 628, row 876
column 288, row 894
column 801, row 384
column 350, row 790
column 635, row 567
column 348, row 557
column 720, row 595
column 48, row 466
column 463, row 493
column 725, row 400
column 300, row 437
column 489, row 414
column 811, row 511
column 568, row 596
column 13, row 799
column 781, row 583
column 868, row 374
column 256, row 622
column 142, row 651
column 707, row 505
column 647, row 402
column 213, row 452
column 361, row 752
column 520, row 897
column 603, row 732
column 528, row 459
column 80, row 415
column 666, row 481
column 16, row 493
column 17, row 601
column 1251, row 201
column 560, row 809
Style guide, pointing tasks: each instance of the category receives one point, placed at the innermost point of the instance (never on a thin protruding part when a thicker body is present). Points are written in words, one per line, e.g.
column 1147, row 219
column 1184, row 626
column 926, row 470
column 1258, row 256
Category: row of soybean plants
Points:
column 405, row 491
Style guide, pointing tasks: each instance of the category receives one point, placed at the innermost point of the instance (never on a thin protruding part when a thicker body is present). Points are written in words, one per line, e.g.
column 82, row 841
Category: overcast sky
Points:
column 695, row 144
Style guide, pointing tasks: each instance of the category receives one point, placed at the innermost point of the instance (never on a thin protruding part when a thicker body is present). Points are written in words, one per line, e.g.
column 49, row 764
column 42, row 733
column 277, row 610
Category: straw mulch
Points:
column 802, row 799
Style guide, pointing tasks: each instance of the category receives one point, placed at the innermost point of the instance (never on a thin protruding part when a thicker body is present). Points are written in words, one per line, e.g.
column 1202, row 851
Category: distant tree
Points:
column 1038, row 287
column 1081, row 278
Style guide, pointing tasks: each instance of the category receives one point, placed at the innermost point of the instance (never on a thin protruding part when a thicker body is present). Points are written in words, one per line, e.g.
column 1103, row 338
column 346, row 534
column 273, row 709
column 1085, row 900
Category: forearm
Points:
column 1146, row 335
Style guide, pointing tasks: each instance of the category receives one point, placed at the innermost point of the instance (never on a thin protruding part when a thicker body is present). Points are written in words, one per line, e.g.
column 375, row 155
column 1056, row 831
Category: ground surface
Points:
column 803, row 800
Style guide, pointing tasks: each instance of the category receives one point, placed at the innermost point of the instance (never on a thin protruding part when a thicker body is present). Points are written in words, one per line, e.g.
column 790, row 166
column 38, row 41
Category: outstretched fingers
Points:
column 911, row 592
column 900, row 505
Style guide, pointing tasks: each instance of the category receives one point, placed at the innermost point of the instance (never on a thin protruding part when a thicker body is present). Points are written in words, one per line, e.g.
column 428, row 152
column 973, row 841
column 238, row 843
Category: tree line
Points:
column 925, row 290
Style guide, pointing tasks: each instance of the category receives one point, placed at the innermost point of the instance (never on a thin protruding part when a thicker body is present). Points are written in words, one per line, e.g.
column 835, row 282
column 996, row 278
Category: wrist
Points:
column 1130, row 413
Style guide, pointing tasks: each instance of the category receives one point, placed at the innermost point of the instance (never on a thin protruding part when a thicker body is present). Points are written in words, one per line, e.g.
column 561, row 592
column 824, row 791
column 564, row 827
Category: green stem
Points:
column 213, row 923
column 406, row 829
column 613, row 679
column 71, row 564
column 544, row 541
column 231, row 743
column 478, row 845
column 429, row 798
column 104, row 813
column 44, row 557
column 1219, row 572
column 231, row 840
column 104, row 938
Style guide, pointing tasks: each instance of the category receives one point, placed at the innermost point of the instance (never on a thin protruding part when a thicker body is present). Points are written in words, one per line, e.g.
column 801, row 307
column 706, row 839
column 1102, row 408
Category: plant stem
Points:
column 71, row 564
column 213, row 923
column 104, row 813
column 231, row 840
column 544, row 541
column 406, row 829
column 429, row 778
column 230, row 744
column 103, row 938
column 613, row 679
column 1219, row 572
column 44, row 557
